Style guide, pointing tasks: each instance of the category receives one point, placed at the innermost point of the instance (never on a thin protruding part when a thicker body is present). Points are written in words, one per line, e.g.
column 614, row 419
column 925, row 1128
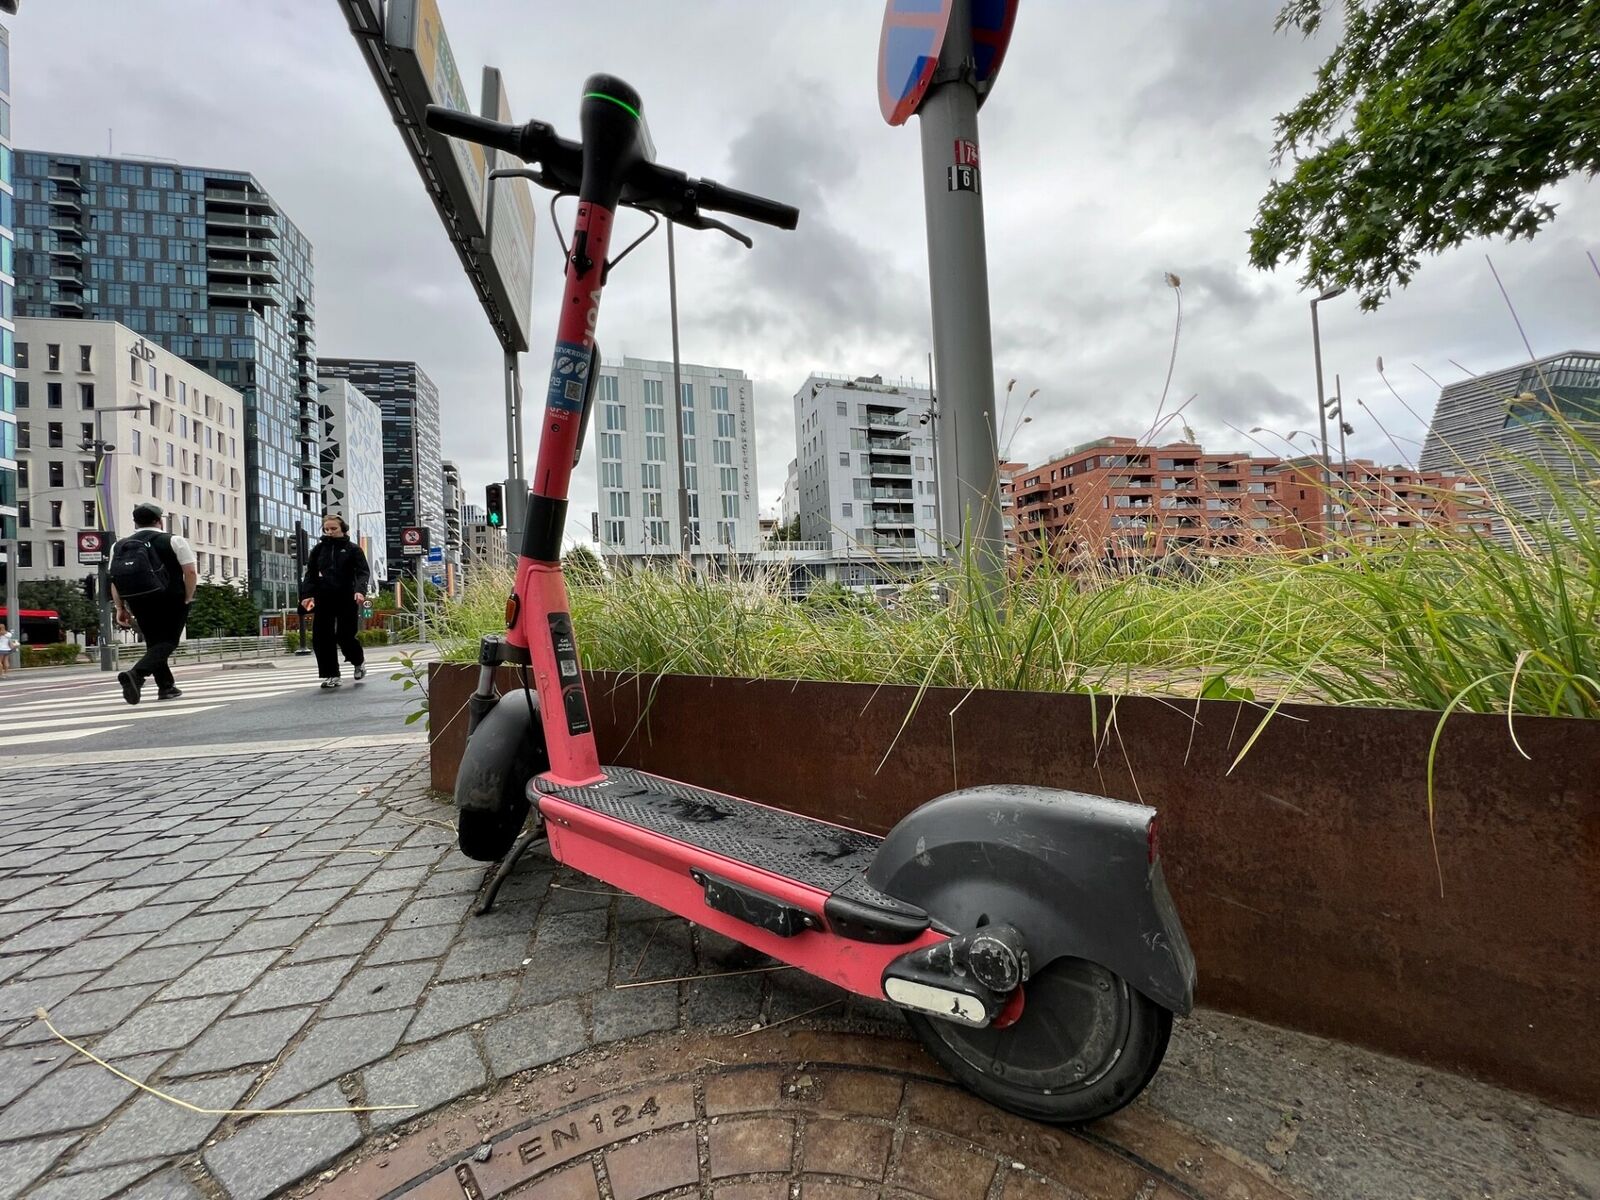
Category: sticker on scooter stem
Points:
column 569, row 377
column 577, row 708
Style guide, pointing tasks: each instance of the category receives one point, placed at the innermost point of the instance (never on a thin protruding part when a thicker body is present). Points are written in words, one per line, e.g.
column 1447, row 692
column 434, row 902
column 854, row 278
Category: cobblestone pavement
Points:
column 271, row 930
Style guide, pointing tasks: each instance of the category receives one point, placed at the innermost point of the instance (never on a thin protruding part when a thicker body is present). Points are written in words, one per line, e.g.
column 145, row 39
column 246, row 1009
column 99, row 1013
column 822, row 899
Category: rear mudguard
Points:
column 1076, row 874
column 504, row 751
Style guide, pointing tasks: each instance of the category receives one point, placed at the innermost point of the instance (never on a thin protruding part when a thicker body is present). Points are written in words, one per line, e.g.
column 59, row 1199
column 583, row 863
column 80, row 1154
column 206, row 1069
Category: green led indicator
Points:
column 619, row 103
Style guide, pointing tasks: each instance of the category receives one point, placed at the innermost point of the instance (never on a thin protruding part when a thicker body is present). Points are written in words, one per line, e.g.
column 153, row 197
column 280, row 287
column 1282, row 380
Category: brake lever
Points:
column 701, row 221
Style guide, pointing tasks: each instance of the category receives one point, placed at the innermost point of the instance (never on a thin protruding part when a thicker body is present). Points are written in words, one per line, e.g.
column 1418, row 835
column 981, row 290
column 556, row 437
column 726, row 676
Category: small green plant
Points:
column 413, row 675
column 53, row 655
column 373, row 637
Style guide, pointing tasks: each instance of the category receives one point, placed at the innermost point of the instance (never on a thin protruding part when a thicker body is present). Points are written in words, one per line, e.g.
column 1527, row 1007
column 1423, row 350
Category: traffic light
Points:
column 89, row 588
column 494, row 496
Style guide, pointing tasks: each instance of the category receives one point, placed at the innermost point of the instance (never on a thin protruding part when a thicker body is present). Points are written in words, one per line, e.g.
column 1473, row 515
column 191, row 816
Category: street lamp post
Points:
column 1322, row 411
column 101, row 447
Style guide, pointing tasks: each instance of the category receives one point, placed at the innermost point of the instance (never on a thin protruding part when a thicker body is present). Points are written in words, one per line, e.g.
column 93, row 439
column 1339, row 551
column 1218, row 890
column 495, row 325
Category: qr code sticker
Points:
column 574, row 390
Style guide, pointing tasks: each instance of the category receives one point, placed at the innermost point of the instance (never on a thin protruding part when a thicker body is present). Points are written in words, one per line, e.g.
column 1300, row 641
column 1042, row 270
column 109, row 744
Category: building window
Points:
column 88, row 472
column 844, row 458
column 52, row 357
column 846, row 510
column 719, row 399
column 618, row 503
column 722, row 453
column 24, row 513
column 22, row 394
column 725, row 425
column 55, row 514
column 133, row 368
column 86, row 432
column 24, row 436
column 58, row 554
column 25, row 554
column 730, row 506
column 53, row 435
column 842, row 409
column 616, row 417
column 86, row 395
column 649, row 475
column 88, row 514
column 610, row 445
column 655, row 448
column 22, row 354
column 615, row 533
column 655, row 420
column 652, row 391
column 611, row 474
column 52, row 395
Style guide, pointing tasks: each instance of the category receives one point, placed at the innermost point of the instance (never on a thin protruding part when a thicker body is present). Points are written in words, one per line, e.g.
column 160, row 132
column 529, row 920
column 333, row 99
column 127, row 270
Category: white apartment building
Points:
column 486, row 548
column 865, row 473
column 631, row 437
column 184, row 449
column 352, row 467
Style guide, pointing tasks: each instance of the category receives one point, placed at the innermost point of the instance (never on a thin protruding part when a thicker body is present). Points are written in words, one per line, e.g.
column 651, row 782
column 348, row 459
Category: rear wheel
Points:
column 1085, row 1045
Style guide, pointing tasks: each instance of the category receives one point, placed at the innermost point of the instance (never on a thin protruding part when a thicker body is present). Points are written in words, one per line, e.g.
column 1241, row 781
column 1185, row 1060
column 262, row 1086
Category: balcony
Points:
column 64, row 177
column 880, row 494
column 69, row 303
column 877, row 469
column 67, row 204
column 899, row 521
column 249, row 293
column 897, row 445
column 66, row 222
column 226, row 221
column 239, row 197
column 64, row 273
column 251, row 245
column 887, row 420
column 239, row 266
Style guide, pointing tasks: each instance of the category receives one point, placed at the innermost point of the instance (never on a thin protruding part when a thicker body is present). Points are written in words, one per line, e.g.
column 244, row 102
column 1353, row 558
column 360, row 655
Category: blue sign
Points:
column 436, row 580
column 913, row 34
column 436, row 554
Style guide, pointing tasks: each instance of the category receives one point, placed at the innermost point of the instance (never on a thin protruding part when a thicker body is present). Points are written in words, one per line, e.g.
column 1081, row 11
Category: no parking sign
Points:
column 91, row 547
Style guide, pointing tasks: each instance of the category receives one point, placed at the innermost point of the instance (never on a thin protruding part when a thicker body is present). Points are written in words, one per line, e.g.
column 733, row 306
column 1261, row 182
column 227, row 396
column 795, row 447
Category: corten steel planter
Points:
column 1306, row 876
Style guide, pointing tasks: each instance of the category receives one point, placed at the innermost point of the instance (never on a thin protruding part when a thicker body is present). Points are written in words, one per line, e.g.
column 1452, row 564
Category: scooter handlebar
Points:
column 742, row 204
column 530, row 142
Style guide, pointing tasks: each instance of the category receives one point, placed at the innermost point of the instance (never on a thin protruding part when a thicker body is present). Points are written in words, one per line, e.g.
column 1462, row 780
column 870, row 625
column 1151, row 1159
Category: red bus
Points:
column 40, row 626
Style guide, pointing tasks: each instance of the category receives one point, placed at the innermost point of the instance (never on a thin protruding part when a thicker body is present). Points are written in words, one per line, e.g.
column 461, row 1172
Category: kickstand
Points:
column 508, row 864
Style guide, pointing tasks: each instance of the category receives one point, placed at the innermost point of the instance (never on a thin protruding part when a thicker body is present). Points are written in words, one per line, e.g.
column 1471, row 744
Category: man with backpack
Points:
column 153, row 577
column 335, row 588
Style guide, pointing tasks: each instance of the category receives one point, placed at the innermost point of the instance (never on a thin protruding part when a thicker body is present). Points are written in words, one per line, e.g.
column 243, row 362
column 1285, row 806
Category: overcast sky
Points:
column 1122, row 141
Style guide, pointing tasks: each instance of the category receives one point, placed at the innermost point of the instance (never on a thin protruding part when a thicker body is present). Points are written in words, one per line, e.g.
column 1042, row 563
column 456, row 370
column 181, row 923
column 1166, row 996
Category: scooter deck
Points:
column 829, row 858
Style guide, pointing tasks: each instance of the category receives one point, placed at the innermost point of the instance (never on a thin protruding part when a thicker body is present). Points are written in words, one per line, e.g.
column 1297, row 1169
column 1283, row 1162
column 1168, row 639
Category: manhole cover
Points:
column 769, row 1116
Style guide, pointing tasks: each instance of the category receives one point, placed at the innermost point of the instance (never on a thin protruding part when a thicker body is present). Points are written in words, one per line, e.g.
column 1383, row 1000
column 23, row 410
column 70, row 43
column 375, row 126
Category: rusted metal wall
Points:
column 1313, row 889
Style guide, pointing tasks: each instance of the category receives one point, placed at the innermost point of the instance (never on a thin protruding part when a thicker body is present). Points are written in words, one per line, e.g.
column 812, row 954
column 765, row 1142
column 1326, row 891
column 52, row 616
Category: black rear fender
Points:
column 1073, row 872
column 504, row 751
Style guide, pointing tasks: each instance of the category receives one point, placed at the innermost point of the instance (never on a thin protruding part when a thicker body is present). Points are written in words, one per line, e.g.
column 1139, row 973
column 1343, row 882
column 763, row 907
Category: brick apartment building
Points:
column 1121, row 502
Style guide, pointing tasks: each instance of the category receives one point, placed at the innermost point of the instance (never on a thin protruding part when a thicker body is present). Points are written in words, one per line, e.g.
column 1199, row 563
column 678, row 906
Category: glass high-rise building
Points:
column 8, row 334
column 413, row 473
column 206, row 264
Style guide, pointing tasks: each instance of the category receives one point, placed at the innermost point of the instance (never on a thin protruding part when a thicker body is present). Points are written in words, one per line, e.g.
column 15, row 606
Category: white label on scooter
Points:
column 941, row 1002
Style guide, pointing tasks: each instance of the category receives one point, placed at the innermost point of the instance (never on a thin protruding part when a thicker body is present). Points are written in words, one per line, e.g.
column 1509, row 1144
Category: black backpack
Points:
column 137, row 568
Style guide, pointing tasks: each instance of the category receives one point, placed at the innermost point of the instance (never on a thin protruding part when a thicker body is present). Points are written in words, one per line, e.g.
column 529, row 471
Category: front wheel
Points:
column 487, row 834
column 1085, row 1045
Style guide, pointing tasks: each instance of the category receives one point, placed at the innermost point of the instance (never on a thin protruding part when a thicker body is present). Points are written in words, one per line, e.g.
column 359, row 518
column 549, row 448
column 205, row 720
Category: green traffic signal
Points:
column 494, row 518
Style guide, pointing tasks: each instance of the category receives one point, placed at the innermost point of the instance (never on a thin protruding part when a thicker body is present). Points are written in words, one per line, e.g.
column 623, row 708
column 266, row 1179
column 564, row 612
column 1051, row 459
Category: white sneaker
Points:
column 330, row 683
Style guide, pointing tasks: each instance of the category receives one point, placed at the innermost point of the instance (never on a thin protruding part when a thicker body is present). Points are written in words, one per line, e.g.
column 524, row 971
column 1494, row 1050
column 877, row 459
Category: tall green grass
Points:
column 1425, row 619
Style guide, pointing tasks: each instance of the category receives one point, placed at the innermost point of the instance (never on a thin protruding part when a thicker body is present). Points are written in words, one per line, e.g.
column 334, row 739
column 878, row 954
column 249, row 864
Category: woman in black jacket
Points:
column 335, row 588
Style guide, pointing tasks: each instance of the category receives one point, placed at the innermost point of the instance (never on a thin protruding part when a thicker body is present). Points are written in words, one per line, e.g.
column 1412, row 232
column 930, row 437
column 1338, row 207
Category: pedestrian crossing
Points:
column 89, row 712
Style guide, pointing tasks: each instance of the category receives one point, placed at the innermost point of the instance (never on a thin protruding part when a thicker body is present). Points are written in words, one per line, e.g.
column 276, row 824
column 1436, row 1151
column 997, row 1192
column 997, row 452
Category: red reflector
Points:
column 512, row 604
column 1153, row 836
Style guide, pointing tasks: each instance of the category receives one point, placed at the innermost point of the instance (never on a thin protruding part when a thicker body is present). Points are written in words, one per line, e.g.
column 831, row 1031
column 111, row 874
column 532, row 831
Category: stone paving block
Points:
column 550, row 976
column 506, row 920
column 424, row 1078
column 20, row 997
column 91, row 954
column 560, row 931
column 85, row 1013
column 485, row 956
column 436, row 910
column 421, row 856
column 651, row 950
column 578, row 894
column 24, row 1162
column 92, row 1185
column 236, row 865
column 218, row 975
column 152, row 966
column 162, row 1027
column 266, row 933
column 48, row 893
column 733, row 999
column 283, row 987
column 72, row 1098
column 634, row 1012
column 152, row 918
column 22, row 1067
column 52, row 934
column 281, row 868
column 153, row 1128
column 329, row 1050
column 15, row 889
column 452, row 883
column 335, row 941
column 14, row 923
column 239, row 1041
column 198, row 891
column 366, row 908
column 405, row 945
column 397, row 879
column 251, row 896
column 272, row 1152
column 58, row 864
column 169, row 1185
column 374, row 989
column 202, row 927
column 534, row 1036
column 158, row 874
column 347, row 871
column 113, row 901
column 455, row 1005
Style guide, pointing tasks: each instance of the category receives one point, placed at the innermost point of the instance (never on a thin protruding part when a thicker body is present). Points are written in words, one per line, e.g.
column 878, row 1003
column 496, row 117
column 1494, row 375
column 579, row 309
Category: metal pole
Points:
column 959, row 281
column 13, row 603
column 300, row 573
column 1344, row 457
column 1322, row 414
column 422, row 608
column 108, row 649
column 686, row 542
column 938, row 495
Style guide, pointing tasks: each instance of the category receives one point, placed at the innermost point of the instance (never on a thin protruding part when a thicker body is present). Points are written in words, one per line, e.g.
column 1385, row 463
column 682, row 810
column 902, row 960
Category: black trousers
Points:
column 161, row 620
column 334, row 623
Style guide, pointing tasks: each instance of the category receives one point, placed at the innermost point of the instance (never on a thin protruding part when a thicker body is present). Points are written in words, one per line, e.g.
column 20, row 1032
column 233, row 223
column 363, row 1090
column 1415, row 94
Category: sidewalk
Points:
column 292, row 928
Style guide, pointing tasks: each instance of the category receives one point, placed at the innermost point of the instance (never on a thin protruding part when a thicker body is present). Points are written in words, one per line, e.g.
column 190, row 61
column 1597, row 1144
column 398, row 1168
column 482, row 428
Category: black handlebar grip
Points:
column 485, row 132
column 742, row 204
